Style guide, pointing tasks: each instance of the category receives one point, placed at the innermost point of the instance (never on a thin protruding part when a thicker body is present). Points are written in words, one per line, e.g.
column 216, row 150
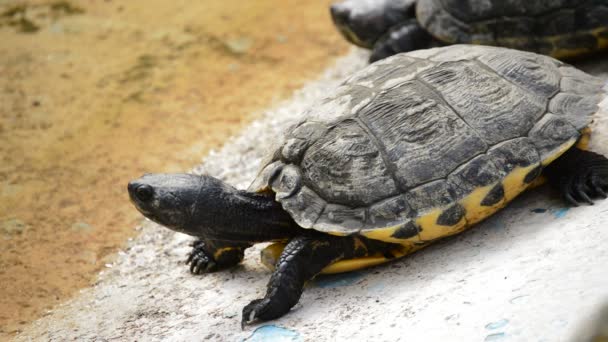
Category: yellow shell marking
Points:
column 386, row 235
column 430, row 230
column 513, row 185
column 583, row 142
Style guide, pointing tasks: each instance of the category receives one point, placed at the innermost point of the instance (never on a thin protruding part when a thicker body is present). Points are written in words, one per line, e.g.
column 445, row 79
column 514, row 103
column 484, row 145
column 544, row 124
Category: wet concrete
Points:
column 93, row 94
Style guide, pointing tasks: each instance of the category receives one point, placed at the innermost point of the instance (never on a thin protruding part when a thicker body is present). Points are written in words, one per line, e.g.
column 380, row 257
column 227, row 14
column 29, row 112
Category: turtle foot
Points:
column 263, row 309
column 209, row 255
column 584, row 187
column 581, row 176
column 199, row 260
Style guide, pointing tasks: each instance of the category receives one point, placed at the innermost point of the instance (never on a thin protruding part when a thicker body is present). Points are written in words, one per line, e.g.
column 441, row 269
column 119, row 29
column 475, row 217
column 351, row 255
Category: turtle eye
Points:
column 144, row 192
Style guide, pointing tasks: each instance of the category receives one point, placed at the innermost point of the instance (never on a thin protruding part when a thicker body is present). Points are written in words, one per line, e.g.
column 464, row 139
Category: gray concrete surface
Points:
column 533, row 272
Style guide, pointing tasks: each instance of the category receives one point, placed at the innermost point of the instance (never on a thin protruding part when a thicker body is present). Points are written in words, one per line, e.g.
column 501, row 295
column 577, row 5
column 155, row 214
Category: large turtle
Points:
column 408, row 150
column 559, row 28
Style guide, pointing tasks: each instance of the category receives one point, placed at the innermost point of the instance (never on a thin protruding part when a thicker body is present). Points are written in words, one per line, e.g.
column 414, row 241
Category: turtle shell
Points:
column 560, row 28
column 421, row 145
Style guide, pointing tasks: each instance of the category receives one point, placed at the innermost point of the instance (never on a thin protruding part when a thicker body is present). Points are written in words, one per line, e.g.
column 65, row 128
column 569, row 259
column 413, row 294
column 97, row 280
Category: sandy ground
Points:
column 533, row 272
column 94, row 93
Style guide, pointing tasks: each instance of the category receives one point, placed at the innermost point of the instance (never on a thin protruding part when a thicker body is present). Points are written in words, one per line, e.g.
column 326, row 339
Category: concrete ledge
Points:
column 532, row 272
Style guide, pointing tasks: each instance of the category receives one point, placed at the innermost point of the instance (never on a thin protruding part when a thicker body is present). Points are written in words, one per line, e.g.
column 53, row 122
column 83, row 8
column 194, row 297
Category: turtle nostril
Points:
column 144, row 192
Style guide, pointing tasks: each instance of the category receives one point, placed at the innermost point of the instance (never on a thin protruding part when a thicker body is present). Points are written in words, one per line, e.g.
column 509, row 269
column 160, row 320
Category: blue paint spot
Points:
column 495, row 337
column 560, row 213
column 497, row 324
column 539, row 210
column 273, row 333
column 331, row 281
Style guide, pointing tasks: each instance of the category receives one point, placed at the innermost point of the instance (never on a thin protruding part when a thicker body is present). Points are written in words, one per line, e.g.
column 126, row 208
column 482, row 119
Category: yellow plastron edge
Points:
column 513, row 185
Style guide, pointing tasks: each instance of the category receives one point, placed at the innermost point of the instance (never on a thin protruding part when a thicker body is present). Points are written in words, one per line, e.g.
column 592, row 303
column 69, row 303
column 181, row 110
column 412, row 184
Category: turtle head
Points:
column 167, row 199
column 181, row 202
column 364, row 22
column 204, row 206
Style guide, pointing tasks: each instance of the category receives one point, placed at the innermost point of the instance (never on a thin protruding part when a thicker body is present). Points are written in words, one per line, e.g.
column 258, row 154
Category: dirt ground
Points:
column 95, row 93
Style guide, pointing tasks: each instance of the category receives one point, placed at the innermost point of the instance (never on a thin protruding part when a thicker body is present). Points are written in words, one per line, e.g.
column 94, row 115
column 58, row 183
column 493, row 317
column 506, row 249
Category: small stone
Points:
column 239, row 45
column 281, row 39
column 82, row 226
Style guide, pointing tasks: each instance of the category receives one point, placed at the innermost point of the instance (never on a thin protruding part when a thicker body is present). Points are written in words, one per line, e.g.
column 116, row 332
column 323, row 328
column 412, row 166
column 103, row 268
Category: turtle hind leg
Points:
column 301, row 260
column 408, row 36
column 212, row 255
column 579, row 175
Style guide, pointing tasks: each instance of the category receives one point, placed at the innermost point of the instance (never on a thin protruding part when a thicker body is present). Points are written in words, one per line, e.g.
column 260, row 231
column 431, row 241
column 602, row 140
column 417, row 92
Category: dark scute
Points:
column 300, row 138
column 479, row 172
column 494, row 196
column 535, row 73
column 533, row 174
column 473, row 10
column 346, row 217
column 406, row 231
column 384, row 71
column 451, row 216
column 514, row 153
column 388, row 211
column 345, row 167
column 429, row 196
column 493, row 106
column 287, row 182
column 422, row 137
column 442, row 24
column 507, row 27
column 550, row 133
column 339, row 104
column 305, row 207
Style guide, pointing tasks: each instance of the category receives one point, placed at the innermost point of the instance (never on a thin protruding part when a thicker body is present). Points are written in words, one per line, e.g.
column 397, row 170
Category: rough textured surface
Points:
column 532, row 272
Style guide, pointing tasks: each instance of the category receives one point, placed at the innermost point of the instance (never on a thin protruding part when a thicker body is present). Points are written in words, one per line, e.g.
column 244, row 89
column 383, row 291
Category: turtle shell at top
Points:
column 560, row 28
column 423, row 144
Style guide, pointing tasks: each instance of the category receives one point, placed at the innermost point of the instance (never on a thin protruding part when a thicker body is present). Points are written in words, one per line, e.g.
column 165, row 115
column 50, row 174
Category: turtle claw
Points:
column 583, row 192
column 255, row 311
column 583, row 188
column 570, row 199
column 199, row 261
column 598, row 186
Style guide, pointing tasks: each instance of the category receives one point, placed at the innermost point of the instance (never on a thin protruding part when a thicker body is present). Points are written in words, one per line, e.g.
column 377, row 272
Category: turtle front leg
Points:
column 212, row 255
column 303, row 258
column 579, row 175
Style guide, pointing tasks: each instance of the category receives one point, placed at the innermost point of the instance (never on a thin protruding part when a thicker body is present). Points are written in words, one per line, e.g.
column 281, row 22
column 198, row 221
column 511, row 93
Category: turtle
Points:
column 560, row 28
column 406, row 151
